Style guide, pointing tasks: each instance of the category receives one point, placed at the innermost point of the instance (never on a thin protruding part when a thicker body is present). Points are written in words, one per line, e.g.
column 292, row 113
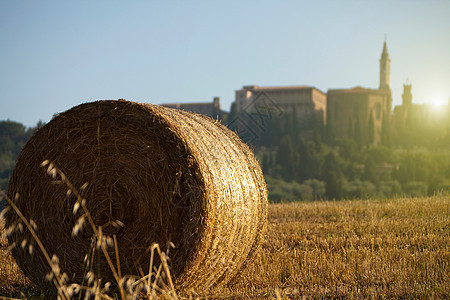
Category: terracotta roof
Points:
column 274, row 88
column 293, row 87
column 181, row 104
column 356, row 89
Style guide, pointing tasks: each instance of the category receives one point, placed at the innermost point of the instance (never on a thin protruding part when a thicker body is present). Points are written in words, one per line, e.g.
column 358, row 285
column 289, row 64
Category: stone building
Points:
column 401, row 111
column 417, row 123
column 306, row 101
column 353, row 112
column 410, row 112
column 359, row 113
column 209, row 109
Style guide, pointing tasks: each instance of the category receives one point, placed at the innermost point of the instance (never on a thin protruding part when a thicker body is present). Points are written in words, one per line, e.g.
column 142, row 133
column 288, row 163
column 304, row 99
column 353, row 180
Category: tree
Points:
column 309, row 163
column 370, row 170
column 293, row 125
column 348, row 149
column 266, row 163
column 287, row 158
column 318, row 145
column 333, row 186
column 370, row 130
column 333, row 177
column 386, row 132
column 271, row 136
column 233, row 113
column 329, row 131
column 13, row 136
column 350, row 127
column 357, row 133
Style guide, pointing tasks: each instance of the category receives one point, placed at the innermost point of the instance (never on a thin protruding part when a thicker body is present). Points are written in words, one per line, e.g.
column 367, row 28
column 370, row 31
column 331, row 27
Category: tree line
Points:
column 305, row 161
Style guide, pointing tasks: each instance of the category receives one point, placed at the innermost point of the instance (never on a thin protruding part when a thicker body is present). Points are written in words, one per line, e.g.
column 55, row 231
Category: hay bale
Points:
column 168, row 175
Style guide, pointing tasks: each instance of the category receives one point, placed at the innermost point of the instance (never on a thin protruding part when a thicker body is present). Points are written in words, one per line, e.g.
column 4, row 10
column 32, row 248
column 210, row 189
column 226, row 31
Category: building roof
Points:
column 356, row 90
column 281, row 88
column 181, row 104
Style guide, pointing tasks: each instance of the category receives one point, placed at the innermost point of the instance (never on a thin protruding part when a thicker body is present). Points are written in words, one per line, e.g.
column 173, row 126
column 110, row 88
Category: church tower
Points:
column 407, row 95
column 385, row 70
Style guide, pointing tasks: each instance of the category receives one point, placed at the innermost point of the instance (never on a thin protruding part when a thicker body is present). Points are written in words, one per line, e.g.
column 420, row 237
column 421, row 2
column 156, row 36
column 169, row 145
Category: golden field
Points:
column 383, row 249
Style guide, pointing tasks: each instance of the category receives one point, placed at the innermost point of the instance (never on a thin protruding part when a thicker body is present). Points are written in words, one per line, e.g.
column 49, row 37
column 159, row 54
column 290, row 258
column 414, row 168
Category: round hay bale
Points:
column 168, row 175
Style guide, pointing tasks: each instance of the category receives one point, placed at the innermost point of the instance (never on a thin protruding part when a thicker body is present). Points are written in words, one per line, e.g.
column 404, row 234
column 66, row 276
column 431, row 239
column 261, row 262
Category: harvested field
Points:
column 382, row 249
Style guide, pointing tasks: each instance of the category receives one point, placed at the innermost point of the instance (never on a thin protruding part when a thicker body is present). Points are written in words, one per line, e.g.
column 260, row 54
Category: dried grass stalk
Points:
column 167, row 175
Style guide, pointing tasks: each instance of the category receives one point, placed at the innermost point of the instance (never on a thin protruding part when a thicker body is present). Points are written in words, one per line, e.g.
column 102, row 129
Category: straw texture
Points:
column 167, row 175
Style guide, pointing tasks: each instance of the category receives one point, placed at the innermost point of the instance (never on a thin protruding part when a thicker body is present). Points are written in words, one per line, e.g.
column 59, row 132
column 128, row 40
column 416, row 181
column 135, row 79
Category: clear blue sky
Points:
column 57, row 54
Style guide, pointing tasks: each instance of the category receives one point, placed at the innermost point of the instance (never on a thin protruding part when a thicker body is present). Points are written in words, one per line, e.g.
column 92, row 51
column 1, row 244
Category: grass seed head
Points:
column 33, row 224
column 23, row 244
column 76, row 206
column 11, row 246
column 4, row 211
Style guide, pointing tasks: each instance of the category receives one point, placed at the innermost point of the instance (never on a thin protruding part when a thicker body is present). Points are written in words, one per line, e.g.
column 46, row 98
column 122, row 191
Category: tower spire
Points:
column 385, row 69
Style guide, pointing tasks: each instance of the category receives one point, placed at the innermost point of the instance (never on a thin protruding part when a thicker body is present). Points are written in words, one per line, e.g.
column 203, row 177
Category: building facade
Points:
column 401, row 111
column 359, row 113
column 423, row 124
column 209, row 109
column 306, row 102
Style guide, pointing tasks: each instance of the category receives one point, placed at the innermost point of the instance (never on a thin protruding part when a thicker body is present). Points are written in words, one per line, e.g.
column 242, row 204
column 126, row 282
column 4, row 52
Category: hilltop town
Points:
column 357, row 112
column 345, row 143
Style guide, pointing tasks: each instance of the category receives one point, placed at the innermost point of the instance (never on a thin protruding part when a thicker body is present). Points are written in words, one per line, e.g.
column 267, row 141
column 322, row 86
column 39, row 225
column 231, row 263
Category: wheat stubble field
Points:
column 382, row 249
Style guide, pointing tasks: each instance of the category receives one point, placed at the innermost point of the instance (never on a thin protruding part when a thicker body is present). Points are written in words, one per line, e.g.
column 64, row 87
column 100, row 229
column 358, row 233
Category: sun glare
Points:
column 438, row 101
column 437, row 104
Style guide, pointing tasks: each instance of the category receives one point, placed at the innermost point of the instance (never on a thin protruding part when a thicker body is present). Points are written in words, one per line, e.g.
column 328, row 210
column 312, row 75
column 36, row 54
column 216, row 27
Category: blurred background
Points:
column 352, row 97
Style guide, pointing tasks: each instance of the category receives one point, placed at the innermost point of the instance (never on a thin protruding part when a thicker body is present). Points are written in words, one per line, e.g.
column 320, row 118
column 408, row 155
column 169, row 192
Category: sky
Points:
column 58, row 54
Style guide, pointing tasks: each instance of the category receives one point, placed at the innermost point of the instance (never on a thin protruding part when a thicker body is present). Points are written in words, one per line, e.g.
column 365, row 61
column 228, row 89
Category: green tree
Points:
column 310, row 160
column 287, row 158
column 352, row 171
column 370, row 130
column 233, row 113
column 333, row 177
column 293, row 125
column 370, row 170
column 266, row 163
column 350, row 127
column 348, row 149
column 318, row 145
column 329, row 131
column 357, row 133
column 13, row 136
column 386, row 132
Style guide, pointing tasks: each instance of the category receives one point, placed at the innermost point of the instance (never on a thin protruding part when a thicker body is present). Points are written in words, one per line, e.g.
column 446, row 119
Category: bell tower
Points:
column 385, row 69
column 407, row 95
